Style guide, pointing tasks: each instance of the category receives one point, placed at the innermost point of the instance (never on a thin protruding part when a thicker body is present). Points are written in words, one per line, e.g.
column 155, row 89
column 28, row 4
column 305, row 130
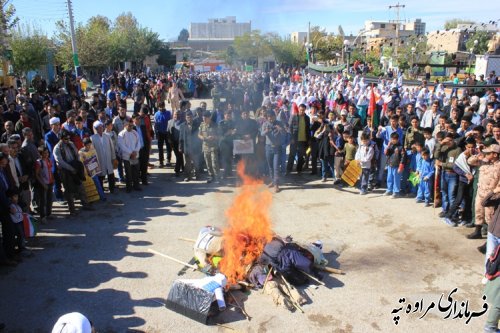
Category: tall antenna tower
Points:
column 397, row 7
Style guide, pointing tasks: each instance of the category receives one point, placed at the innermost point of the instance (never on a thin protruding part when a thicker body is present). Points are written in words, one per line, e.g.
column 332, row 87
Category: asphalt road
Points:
column 99, row 263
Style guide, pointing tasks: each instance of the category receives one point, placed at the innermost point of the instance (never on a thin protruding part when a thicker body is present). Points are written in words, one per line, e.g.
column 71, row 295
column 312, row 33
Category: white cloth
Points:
column 72, row 323
column 105, row 150
column 364, row 155
column 129, row 143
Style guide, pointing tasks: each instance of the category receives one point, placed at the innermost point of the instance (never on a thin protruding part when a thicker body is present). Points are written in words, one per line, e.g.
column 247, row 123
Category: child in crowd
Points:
column 44, row 183
column 364, row 156
column 426, row 173
column 416, row 159
column 339, row 144
column 88, row 157
column 16, row 216
column 395, row 165
column 350, row 149
column 430, row 142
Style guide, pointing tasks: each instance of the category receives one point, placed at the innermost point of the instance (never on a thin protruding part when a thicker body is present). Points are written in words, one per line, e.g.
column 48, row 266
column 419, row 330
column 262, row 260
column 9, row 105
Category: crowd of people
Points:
column 440, row 147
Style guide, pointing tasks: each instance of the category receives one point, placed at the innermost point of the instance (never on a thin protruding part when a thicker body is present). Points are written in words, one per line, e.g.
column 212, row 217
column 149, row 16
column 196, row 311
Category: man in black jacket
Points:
column 300, row 128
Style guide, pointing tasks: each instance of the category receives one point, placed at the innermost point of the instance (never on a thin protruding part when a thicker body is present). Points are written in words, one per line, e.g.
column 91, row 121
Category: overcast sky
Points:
column 168, row 17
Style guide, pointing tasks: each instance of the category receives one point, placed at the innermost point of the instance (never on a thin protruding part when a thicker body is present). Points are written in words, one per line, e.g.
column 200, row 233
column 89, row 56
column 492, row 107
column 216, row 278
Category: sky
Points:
column 168, row 17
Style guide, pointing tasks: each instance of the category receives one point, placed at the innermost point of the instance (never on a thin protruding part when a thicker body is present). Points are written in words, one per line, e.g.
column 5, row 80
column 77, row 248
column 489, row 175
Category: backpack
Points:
column 493, row 265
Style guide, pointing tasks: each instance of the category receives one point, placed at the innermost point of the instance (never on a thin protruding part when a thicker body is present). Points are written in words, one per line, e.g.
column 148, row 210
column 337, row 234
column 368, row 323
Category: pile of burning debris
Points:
column 246, row 255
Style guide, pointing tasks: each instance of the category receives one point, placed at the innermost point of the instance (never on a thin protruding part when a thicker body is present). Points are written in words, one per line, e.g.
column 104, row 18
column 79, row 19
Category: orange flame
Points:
column 249, row 228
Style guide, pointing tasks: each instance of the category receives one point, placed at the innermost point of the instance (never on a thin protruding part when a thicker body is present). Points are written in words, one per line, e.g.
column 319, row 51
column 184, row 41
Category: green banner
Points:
column 75, row 59
column 328, row 69
column 248, row 68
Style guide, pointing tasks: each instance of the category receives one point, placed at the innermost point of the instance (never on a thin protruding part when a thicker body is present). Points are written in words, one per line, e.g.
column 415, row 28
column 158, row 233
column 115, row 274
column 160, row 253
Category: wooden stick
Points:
column 239, row 306
column 245, row 284
column 289, row 287
column 312, row 278
column 329, row 269
column 267, row 278
column 173, row 259
column 187, row 239
column 225, row 326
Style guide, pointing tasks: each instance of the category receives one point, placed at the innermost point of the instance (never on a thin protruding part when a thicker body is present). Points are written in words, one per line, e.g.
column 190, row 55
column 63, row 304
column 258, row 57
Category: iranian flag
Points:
column 30, row 225
column 372, row 108
column 373, row 103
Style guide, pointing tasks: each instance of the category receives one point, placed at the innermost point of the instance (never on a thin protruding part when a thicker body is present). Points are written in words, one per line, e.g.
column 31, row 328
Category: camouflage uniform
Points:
column 210, row 148
column 489, row 179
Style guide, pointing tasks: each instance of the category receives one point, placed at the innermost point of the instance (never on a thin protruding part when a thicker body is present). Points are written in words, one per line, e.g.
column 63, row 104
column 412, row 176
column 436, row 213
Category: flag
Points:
column 414, row 179
column 30, row 225
column 372, row 106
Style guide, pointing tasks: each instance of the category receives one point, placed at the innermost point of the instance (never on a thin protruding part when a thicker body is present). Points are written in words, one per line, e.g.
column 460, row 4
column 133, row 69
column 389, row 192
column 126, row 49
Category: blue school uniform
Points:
column 426, row 171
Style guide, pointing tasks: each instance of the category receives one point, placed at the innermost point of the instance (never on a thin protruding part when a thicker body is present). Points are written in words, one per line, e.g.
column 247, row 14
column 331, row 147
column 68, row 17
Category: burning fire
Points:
column 249, row 228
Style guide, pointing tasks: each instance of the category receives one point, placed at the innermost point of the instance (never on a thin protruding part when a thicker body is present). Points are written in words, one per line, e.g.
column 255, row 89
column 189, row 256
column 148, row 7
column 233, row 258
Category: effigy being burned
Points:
column 246, row 254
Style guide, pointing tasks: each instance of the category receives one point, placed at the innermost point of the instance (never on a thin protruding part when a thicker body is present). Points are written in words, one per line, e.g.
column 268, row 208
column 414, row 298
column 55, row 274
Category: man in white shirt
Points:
column 431, row 117
column 130, row 145
column 105, row 154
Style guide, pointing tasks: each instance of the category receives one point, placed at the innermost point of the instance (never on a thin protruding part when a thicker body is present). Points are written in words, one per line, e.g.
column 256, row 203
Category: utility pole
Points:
column 309, row 33
column 73, row 39
column 397, row 7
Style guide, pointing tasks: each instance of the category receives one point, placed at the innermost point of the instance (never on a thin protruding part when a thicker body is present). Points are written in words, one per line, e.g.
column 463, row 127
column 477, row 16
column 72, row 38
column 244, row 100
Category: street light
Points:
column 309, row 51
column 348, row 52
column 413, row 49
column 470, row 57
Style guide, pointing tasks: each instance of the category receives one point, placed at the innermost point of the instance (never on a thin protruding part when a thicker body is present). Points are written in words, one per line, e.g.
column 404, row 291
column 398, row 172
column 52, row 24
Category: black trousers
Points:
column 314, row 156
column 226, row 156
column 143, row 164
column 298, row 148
column 8, row 234
column 179, row 157
column 131, row 174
column 111, row 181
column 162, row 140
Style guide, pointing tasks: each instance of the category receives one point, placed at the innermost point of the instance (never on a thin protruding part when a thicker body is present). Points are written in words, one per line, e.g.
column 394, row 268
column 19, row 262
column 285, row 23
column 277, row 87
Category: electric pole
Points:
column 73, row 39
column 397, row 7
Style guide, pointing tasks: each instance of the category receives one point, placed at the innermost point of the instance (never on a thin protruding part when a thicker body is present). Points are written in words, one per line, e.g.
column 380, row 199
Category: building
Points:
column 298, row 37
column 383, row 33
column 217, row 34
column 224, row 28
column 450, row 41
column 417, row 26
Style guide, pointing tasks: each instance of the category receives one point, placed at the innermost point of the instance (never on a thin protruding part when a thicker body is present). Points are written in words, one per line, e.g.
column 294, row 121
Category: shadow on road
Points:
column 73, row 259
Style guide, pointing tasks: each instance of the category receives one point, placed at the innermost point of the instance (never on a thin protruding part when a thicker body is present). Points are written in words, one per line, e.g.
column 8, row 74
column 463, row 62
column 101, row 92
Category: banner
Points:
column 329, row 69
column 352, row 173
column 242, row 147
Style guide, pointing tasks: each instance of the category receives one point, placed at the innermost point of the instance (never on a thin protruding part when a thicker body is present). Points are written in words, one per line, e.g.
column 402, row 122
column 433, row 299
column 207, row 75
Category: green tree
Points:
column 251, row 46
column 453, row 23
column 165, row 56
column 102, row 43
column 8, row 20
column 29, row 49
column 183, row 36
column 482, row 37
column 230, row 56
column 93, row 41
column 406, row 56
column 325, row 46
column 287, row 52
column 131, row 42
